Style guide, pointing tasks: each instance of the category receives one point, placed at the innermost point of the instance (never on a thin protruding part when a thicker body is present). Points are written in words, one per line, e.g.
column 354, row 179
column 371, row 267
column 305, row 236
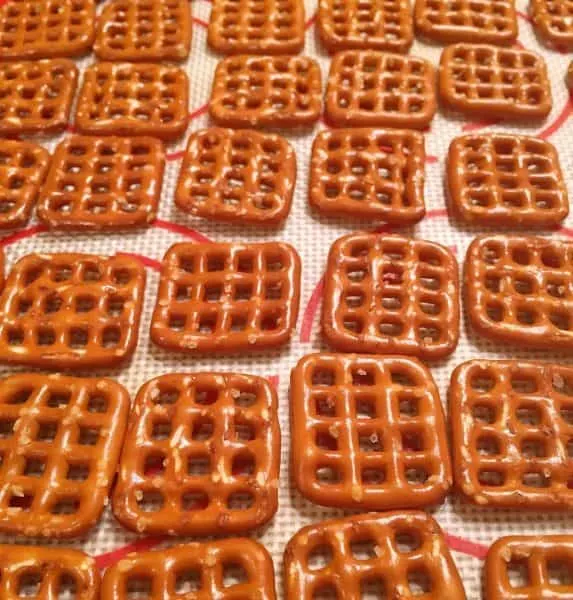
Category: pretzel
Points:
column 133, row 99
column 238, row 176
column 553, row 23
column 23, row 166
column 266, row 91
column 231, row 568
column 374, row 89
column 393, row 555
column 48, row 573
column 217, row 297
column 482, row 21
column 201, row 456
column 61, row 439
column 369, row 173
column 512, row 424
column 494, row 82
column 65, row 311
column 391, row 294
column 365, row 25
column 103, row 183
column 506, row 180
column 31, row 29
column 517, row 290
column 143, row 30
column 256, row 27
column 36, row 96
column 569, row 77
column 528, row 566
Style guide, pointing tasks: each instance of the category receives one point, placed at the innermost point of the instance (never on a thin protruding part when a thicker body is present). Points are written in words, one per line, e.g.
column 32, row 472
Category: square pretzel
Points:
column 518, row 289
column 201, row 456
column 368, row 432
column 500, row 83
column 61, row 440
column 217, row 297
column 369, row 173
column 266, row 91
column 256, row 27
column 31, row 29
column 390, row 555
column 36, row 96
column 143, row 30
column 102, row 183
column 65, row 311
column 365, row 25
column 391, row 294
column 512, row 426
column 127, row 99
column 553, row 22
column 506, row 180
column 238, row 176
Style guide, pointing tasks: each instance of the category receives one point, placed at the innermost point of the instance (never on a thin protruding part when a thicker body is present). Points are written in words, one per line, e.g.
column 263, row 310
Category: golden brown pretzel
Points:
column 552, row 22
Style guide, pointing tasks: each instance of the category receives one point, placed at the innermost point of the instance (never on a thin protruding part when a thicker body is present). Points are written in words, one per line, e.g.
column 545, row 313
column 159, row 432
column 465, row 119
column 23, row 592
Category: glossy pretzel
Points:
column 60, row 443
column 201, row 456
column 553, row 22
column 391, row 294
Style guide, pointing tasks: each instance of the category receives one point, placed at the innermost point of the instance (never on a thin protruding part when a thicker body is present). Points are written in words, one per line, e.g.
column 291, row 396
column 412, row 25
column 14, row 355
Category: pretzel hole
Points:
column 206, row 396
column 407, row 541
column 239, row 322
column 323, row 376
column 522, row 384
column 66, row 506
column 161, row 430
column 326, row 441
column 177, row 322
column 373, row 588
column 84, row 304
column 78, row 472
column 199, row 465
column 536, row 480
column 67, row 587
column 560, row 320
column 430, row 282
column 52, row 303
column 319, row 557
column 24, row 306
column 364, row 549
column 20, row 396
column 416, row 475
column 29, row 584
column 325, row 592
column 408, row 406
column 327, row 475
column 494, row 311
column 7, row 428
column 488, row 445
column 370, row 442
column 47, row 431
column 489, row 478
column 139, row 587
column 429, row 334
column 15, row 336
column 243, row 500
column 243, row 291
column 89, row 436
column 355, row 299
column 363, row 376
column 149, row 501
column 34, row 467
column 528, row 415
column 419, row 582
column 202, row 429
column 245, row 264
column 533, row 448
column 325, row 406
column 412, row 441
column 244, row 464
column 401, row 377
column 91, row 273
column 20, row 500
column 484, row 413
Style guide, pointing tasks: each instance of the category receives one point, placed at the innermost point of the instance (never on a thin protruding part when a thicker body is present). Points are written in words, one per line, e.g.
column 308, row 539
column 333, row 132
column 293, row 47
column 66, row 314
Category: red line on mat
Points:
column 310, row 311
column 311, row 21
column 523, row 16
column 22, row 235
column 109, row 558
column 431, row 159
column 175, row 155
column 200, row 22
column 176, row 228
column 559, row 121
column 468, row 547
column 273, row 380
column 437, row 212
column 197, row 113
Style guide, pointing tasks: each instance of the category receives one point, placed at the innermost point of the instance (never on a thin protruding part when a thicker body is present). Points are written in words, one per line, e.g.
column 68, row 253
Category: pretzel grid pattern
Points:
column 496, row 82
column 512, row 424
column 144, row 30
column 237, row 175
column 227, row 297
column 127, row 99
column 101, row 184
column 373, row 89
column 499, row 179
column 553, row 22
column 391, row 294
column 61, row 438
column 211, row 439
column 369, row 173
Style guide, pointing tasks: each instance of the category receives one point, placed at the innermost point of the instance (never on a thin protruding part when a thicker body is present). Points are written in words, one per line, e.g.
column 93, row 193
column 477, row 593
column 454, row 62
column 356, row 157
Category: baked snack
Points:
column 369, row 173
column 569, row 77
column 65, row 311
column 553, row 22
column 506, row 180
column 102, row 184
column 218, row 297
column 201, row 456
column 512, row 432
column 239, row 176
column 60, row 442
column 391, row 294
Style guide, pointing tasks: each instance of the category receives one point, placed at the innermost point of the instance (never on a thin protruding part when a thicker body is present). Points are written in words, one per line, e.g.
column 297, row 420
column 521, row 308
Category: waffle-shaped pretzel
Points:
column 47, row 573
column 494, row 82
column 36, row 96
column 386, row 555
column 365, row 24
column 371, row 173
column 391, row 294
column 368, row 432
column 102, row 183
column 553, row 22
column 257, row 26
column 227, row 297
column 201, row 456
column 23, row 166
column 65, row 311
column 266, row 91
column 481, row 21
column 506, row 180
column 143, row 30
column 375, row 89
column 519, row 289
column 61, row 440
column 238, row 176
column 32, row 29
column 133, row 99
column 230, row 568
column 528, row 566
column 512, row 425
